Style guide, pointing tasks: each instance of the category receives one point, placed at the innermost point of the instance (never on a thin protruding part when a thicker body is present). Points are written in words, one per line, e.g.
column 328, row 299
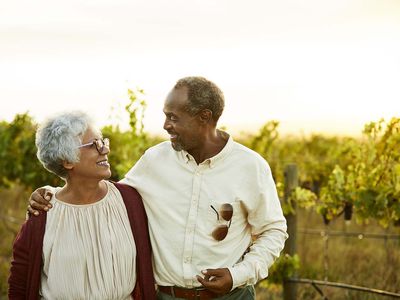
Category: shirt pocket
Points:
column 216, row 213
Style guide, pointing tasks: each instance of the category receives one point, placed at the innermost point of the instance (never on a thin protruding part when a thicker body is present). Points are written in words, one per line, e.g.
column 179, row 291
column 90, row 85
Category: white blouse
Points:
column 88, row 250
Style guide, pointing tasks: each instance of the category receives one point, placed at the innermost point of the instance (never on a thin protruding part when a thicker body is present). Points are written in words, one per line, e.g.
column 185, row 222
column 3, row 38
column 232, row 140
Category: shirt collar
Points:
column 219, row 156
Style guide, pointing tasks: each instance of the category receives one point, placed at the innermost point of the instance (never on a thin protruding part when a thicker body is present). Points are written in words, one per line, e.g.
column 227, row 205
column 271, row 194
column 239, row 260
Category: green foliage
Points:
column 370, row 182
column 285, row 267
column 302, row 198
column 343, row 174
column 263, row 141
column 128, row 146
column 18, row 162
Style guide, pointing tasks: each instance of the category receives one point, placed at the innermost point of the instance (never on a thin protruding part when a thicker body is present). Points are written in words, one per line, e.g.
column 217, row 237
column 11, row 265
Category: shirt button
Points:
column 187, row 260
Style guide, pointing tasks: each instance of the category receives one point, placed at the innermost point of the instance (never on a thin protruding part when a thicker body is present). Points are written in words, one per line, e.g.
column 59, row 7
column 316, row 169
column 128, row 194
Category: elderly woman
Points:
column 94, row 243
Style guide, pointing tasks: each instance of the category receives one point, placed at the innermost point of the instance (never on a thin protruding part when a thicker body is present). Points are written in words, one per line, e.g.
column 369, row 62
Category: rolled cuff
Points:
column 239, row 276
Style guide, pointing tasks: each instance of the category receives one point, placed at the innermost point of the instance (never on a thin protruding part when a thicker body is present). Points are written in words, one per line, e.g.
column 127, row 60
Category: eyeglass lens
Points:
column 101, row 144
column 226, row 212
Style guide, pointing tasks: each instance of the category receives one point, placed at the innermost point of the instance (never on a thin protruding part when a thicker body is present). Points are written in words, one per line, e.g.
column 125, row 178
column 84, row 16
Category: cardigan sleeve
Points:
column 19, row 265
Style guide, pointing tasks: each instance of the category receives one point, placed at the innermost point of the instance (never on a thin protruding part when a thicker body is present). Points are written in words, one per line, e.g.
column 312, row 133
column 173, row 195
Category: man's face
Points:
column 183, row 128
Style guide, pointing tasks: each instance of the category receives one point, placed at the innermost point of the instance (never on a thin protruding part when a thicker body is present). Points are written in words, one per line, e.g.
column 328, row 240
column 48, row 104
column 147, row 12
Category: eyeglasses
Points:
column 226, row 213
column 102, row 145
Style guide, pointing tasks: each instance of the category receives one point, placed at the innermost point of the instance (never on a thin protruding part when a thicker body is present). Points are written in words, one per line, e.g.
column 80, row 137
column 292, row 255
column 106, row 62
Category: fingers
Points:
column 216, row 280
column 31, row 211
column 39, row 200
column 201, row 280
column 37, row 206
column 213, row 285
column 42, row 196
column 214, row 272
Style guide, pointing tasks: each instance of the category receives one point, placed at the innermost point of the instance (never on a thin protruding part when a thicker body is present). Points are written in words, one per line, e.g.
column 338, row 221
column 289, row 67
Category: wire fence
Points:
column 316, row 283
column 289, row 287
column 359, row 235
column 331, row 233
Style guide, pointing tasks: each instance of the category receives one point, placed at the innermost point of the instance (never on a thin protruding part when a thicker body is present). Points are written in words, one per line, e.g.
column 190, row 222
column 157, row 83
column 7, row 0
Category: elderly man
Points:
column 216, row 224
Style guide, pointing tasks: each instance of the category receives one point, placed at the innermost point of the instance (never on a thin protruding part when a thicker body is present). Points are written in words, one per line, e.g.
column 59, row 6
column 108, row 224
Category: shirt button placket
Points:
column 190, row 230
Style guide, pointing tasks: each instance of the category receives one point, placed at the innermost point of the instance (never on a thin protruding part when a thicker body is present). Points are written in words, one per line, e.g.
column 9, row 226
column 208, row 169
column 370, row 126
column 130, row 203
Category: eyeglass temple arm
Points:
column 87, row 144
column 215, row 212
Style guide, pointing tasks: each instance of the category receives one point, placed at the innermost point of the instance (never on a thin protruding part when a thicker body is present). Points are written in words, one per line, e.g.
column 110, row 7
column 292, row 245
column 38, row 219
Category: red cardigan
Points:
column 26, row 266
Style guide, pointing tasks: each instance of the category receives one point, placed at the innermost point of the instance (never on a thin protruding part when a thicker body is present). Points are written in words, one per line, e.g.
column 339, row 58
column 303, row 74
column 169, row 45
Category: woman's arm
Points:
column 19, row 265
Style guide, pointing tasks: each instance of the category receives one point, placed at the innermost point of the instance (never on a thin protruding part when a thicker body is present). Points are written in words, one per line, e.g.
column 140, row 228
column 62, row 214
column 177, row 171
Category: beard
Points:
column 177, row 146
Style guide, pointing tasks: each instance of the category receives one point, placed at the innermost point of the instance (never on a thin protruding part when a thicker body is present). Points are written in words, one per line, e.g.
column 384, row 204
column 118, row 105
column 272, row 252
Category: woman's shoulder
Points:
column 32, row 227
column 126, row 190
column 36, row 221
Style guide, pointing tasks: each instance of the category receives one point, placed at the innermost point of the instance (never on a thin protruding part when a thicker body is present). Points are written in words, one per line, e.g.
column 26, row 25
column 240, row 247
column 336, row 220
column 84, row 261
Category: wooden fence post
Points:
column 291, row 182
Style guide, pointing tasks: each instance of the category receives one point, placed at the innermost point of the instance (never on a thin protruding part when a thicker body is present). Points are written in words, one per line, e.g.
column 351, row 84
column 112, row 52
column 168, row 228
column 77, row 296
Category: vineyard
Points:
column 346, row 201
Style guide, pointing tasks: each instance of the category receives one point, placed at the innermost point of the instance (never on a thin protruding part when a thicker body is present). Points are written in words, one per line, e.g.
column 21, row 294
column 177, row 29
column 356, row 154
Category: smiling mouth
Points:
column 173, row 136
column 103, row 163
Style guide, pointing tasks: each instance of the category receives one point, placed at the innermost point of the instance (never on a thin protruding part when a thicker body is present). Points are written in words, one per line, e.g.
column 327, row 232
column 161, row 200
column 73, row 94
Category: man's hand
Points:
column 218, row 281
column 39, row 200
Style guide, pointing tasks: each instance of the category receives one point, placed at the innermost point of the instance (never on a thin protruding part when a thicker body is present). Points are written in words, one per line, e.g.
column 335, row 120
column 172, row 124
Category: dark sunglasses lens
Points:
column 220, row 232
column 226, row 211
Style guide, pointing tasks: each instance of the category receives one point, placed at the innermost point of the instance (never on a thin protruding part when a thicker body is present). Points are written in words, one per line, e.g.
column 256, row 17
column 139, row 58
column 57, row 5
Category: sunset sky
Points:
column 314, row 65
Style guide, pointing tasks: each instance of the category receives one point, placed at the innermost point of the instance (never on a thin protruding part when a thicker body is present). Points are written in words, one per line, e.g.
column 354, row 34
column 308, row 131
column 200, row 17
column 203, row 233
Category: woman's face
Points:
column 92, row 164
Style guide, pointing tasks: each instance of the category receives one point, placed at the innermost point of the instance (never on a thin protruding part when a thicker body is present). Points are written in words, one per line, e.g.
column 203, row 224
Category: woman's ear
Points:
column 68, row 165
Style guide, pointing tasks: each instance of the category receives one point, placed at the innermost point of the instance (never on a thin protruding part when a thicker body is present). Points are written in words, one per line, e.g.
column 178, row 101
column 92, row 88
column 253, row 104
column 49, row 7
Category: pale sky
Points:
column 314, row 65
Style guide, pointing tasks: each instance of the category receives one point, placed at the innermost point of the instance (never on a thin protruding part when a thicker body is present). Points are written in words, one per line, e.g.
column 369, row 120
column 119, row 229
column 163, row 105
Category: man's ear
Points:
column 68, row 165
column 205, row 115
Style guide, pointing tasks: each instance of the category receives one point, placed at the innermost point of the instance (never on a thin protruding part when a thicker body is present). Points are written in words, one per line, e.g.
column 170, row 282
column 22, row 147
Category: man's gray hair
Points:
column 202, row 94
column 58, row 139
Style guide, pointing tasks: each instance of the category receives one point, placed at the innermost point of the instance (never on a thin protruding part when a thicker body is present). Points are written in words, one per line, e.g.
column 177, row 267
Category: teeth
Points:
column 103, row 163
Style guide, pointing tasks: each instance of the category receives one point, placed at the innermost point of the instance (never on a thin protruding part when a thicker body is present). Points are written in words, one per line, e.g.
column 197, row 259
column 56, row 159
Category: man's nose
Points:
column 167, row 125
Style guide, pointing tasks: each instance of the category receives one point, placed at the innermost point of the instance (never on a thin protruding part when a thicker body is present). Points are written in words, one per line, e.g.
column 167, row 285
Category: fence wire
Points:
column 316, row 283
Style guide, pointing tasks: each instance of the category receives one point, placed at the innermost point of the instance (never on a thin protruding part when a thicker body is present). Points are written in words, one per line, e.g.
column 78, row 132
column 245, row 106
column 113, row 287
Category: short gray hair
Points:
column 202, row 94
column 58, row 139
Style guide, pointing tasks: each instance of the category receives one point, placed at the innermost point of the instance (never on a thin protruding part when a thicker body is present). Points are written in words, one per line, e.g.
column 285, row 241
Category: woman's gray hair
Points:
column 58, row 139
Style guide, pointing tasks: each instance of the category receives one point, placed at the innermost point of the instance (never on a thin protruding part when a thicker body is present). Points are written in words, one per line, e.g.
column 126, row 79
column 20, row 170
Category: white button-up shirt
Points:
column 178, row 194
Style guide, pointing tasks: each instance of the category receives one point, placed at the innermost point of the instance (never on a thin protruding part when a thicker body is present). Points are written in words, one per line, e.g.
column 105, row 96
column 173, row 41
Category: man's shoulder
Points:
column 159, row 148
column 249, row 157
column 246, row 152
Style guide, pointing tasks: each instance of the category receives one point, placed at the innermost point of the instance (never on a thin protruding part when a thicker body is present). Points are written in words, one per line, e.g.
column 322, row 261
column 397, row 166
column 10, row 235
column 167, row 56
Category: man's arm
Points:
column 39, row 200
column 268, row 227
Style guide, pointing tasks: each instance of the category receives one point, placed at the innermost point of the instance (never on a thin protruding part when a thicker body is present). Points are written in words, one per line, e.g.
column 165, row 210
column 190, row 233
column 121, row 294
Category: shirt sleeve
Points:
column 268, row 226
column 19, row 265
column 133, row 176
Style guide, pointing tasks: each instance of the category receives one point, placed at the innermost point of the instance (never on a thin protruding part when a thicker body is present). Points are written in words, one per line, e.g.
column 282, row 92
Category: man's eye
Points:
column 173, row 118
